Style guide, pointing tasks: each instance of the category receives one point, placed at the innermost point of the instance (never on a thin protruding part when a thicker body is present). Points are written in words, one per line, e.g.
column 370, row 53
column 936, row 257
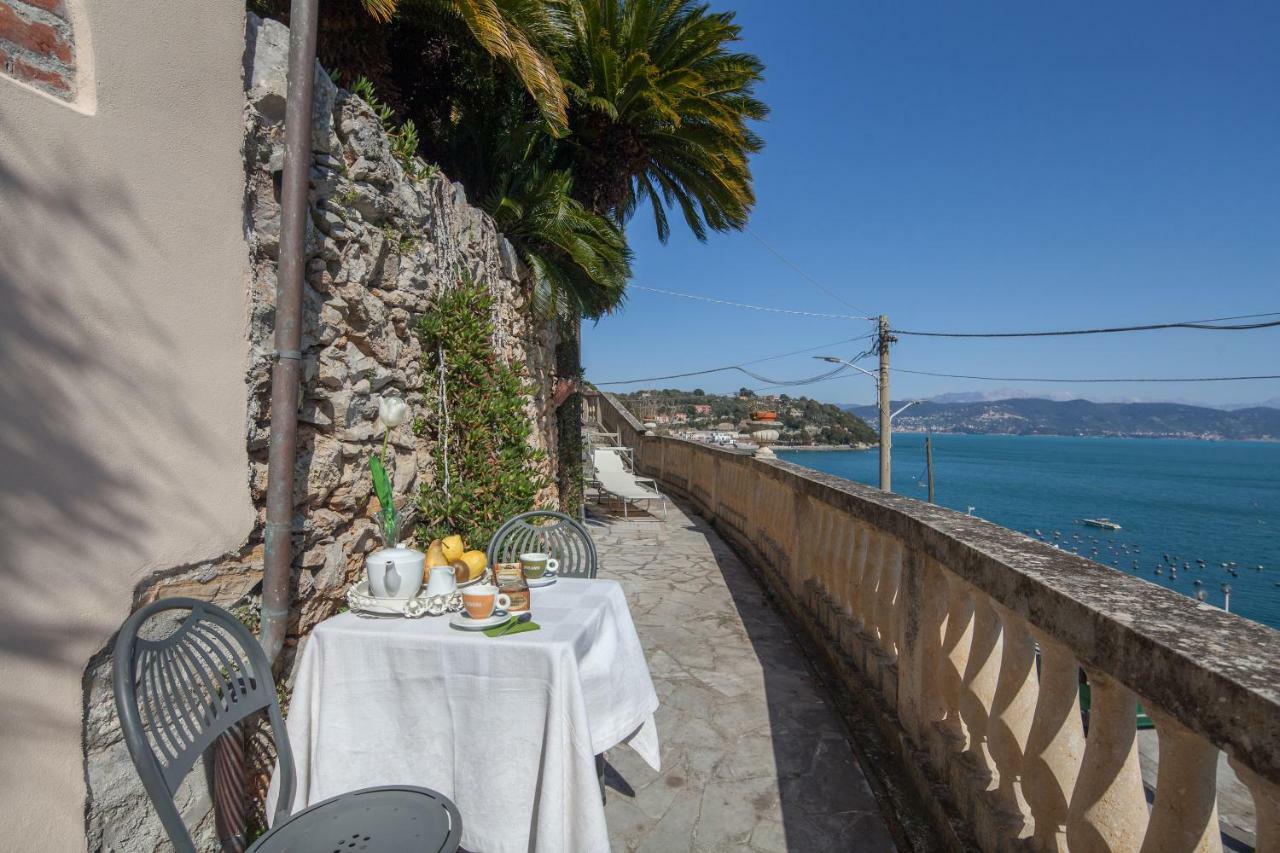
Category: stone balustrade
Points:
column 971, row 638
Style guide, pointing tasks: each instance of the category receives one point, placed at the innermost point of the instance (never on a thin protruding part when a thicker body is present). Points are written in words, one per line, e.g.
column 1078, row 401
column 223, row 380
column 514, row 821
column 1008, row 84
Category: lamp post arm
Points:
column 908, row 405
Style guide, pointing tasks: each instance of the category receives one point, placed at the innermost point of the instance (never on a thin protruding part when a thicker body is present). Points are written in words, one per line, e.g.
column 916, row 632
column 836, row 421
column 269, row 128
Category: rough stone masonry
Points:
column 380, row 245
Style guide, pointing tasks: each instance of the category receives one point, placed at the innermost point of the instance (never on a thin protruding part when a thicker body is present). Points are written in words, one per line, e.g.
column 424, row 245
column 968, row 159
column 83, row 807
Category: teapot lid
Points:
column 398, row 554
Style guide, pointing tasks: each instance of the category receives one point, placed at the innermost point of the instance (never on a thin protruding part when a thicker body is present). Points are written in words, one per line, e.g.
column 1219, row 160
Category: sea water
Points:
column 1213, row 500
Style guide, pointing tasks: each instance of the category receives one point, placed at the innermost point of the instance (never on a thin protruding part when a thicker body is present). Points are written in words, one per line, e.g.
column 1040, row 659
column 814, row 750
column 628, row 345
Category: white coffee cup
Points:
column 481, row 600
column 535, row 564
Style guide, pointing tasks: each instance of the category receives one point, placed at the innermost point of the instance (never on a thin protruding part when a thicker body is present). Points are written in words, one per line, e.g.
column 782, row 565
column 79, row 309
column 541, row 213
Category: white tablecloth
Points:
column 508, row 728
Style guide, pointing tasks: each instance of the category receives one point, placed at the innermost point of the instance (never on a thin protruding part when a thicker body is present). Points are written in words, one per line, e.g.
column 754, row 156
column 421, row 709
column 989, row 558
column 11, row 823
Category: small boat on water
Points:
column 1104, row 523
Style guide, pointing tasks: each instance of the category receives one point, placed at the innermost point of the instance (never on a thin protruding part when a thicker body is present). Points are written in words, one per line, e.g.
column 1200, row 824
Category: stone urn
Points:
column 763, row 438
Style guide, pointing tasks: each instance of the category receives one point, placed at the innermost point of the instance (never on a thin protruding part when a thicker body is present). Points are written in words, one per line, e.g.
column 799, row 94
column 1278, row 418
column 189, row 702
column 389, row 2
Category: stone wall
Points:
column 380, row 244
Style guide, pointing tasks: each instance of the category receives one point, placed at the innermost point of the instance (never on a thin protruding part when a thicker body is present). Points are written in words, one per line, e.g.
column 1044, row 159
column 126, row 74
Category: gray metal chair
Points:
column 548, row 532
column 181, row 681
column 558, row 535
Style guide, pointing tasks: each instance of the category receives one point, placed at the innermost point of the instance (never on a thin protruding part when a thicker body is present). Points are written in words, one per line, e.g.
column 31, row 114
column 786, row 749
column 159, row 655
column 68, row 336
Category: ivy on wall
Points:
column 485, row 471
column 569, row 421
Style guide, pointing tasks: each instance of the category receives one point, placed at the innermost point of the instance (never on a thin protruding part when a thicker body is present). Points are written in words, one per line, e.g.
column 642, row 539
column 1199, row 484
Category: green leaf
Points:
column 381, row 484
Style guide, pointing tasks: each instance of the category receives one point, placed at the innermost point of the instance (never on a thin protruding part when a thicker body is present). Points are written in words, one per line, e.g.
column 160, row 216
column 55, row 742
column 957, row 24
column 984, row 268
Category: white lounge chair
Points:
column 613, row 478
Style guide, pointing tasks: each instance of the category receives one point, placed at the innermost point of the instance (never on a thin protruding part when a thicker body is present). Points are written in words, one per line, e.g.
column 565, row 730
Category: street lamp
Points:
column 886, row 419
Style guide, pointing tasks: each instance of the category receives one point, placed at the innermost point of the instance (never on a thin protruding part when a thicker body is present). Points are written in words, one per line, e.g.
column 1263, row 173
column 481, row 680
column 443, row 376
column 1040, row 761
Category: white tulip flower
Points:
column 392, row 412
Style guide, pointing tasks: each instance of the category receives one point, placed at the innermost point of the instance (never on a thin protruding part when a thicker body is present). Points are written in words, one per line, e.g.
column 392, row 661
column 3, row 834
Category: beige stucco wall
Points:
column 123, row 276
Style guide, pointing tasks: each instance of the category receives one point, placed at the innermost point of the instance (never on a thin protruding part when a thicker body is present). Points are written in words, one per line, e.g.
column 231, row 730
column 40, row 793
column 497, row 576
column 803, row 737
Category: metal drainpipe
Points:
column 281, row 453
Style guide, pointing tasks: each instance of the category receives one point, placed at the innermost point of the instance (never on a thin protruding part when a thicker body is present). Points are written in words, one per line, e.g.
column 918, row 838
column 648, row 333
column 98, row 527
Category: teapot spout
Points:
column 391, row 579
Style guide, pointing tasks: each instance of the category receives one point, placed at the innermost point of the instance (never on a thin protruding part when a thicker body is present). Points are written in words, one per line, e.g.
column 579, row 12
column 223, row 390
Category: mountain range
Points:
column 1038, row 416
column 1001, row 394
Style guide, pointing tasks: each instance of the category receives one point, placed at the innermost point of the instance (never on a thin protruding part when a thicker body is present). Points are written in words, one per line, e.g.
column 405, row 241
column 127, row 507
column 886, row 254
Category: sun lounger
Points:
column 613, row 478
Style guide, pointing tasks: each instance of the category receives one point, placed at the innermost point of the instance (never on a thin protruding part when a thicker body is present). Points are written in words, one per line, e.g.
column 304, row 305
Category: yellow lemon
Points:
column 453, row 547
column 475, row 562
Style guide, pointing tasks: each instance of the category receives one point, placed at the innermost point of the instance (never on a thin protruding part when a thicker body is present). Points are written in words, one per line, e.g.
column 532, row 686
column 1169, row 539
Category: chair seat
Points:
column 392, row 819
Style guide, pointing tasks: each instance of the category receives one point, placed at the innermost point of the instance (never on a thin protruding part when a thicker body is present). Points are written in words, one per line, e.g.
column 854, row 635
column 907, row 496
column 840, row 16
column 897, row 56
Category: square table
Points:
column 508, row 727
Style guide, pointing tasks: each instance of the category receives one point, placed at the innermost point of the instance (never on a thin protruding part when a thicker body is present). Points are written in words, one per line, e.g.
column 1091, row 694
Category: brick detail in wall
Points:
column 37, row 46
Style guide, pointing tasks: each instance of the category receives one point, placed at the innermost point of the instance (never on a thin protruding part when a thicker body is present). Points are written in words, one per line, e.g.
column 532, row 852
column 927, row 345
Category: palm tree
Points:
column 579, row 258
column 507, row 30
column 354, row 39
column 659, row 106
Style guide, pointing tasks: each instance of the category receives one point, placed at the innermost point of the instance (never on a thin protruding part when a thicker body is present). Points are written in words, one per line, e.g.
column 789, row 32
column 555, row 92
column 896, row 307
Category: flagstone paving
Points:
column 753, row 756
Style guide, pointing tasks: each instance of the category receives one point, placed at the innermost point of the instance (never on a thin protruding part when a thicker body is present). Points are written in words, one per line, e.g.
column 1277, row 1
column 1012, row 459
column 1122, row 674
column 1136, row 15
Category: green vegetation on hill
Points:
column 801, row 420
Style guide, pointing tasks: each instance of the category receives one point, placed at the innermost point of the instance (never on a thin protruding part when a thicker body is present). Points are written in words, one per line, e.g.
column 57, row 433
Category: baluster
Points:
column 1266, row 804
column 826, row 551
column 933, row 616
column 886, row 596
column 955, row 650
column 1185, row 815
column 822, row 556
column 871, row 582
column 1013, row 708
column 1108, row 808
column 845, row 582
column 980, row 676
column 857, row 571
column 1055, row 744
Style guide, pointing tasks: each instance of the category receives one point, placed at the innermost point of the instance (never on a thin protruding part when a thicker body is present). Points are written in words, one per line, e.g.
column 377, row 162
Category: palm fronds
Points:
column 660, row 106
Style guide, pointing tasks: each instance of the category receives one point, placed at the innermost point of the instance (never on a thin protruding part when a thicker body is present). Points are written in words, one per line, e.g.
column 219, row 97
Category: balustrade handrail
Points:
column 1216, row 673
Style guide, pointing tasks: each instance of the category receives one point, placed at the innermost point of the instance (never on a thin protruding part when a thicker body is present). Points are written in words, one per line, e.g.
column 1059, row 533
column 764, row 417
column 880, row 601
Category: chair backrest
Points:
column 547, row 532
column 178, row 687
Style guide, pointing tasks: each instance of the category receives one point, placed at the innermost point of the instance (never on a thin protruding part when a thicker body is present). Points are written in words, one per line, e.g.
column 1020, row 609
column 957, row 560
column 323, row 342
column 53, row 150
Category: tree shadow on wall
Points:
column 83, row 359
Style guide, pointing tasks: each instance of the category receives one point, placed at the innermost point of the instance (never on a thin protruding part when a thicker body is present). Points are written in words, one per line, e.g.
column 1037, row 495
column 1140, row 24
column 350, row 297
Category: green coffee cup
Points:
column 536, row 565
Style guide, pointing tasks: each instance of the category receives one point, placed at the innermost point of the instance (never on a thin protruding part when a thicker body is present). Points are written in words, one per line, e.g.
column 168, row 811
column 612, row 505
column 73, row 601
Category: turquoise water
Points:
column 1216, row 501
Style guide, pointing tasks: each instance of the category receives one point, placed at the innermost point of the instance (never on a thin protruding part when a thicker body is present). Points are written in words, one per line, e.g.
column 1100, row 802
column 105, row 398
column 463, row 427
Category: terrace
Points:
column 942, row 707
column 754, row 757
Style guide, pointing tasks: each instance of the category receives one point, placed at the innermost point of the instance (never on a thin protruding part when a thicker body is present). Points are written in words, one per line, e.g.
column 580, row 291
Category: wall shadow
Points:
column 81, row 355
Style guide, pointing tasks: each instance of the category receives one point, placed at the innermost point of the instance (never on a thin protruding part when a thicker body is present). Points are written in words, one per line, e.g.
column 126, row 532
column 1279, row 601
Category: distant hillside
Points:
column 1081, row 417
column 801, row 420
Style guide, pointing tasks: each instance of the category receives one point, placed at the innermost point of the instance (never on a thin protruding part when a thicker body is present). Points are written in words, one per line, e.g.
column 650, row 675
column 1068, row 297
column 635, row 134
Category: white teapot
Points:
column 395, row 573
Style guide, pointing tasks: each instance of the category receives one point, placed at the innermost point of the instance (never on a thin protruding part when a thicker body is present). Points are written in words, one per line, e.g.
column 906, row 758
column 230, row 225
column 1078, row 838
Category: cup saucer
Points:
column 463, row 622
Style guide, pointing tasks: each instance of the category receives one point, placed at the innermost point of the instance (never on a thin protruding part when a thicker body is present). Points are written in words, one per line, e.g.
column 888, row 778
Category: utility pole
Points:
column 928, row 462
column 882, row 391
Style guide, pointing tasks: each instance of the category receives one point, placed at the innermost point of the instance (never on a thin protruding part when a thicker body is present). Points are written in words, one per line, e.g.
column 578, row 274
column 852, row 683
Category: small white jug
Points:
column 441, row 580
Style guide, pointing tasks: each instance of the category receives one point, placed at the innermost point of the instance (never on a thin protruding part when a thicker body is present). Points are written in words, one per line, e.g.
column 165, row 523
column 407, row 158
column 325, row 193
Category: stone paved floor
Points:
column 753, row 757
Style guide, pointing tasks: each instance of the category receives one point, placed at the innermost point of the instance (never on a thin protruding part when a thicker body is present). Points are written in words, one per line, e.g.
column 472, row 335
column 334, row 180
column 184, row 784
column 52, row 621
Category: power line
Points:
column 804, row 274
column 745, row 305
column 790, row 383
column 739, row 367
column 1186, row 324
column 1045, row 379
column 823, row 377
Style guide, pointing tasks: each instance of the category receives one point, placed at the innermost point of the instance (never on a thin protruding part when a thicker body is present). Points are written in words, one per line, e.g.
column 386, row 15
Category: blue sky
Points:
column 988, row 166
